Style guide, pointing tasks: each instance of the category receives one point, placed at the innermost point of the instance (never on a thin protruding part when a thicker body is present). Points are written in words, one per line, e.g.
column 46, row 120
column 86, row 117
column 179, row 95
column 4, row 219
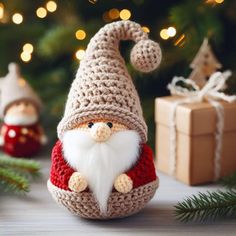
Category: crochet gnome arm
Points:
column 77, row 182
column 140, row 174
column 123, row 183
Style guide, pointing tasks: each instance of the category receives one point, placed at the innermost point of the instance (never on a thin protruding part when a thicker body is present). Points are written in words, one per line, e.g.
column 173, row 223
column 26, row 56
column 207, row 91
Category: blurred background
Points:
column 48, row 40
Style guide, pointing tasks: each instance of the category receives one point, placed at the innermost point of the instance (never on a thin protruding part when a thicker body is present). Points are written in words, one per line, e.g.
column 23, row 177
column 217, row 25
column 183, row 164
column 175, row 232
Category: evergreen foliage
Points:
column 15, row 173
column 229, row 181
column 53, row 65
column 207, row 206
column 211, row 205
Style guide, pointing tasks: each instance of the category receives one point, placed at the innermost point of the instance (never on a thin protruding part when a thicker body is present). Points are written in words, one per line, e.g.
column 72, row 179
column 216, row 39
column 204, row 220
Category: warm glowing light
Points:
column 41, row 12
column 164, row 35
column 17, row 18
column 219, row 1
column 26, row 57
column 28, row 48
column 171, row 31
column 179, row 40
column 125, row 14
column 145, row 29
column 114, row 14
column 21, row 82
column 51, row 6
column 93, row 1
column 80, row 34
column 106, row 17
column 80, row 54
column 1, row 11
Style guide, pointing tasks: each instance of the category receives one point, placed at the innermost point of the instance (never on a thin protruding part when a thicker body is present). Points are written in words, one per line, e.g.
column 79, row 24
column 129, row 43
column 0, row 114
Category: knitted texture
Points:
column 77, row 182
column 60, row 171
column 141, row 173
column 145, row 55
column 14, row 88
column 119, row 204
column 123, row 183
column 144, row 170
column 103, row 88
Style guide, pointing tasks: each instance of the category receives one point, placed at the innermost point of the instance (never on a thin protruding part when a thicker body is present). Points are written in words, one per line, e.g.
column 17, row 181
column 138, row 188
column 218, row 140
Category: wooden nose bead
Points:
column 100, row 132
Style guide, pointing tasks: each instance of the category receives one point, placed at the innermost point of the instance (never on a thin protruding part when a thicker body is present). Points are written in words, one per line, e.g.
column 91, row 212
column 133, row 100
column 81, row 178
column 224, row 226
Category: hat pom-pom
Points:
column 146, row 55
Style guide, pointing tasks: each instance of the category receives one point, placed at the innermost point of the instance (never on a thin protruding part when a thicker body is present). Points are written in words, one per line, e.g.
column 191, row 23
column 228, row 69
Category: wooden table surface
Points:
column 37, row 214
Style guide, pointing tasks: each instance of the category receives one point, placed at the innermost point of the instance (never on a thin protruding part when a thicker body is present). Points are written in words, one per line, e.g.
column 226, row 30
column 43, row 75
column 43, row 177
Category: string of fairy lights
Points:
column 18, row 18
column 80, row 34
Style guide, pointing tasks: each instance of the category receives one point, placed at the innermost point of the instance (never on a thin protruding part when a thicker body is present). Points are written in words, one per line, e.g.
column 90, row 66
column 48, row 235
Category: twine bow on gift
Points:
column 211, row 92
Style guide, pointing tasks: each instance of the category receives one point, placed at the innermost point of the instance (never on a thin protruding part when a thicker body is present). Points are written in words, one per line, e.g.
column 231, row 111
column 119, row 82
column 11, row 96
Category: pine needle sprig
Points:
column 207, row 206
column 15, row 173
column 28, row 166
column 229, row 181
column 11, row 181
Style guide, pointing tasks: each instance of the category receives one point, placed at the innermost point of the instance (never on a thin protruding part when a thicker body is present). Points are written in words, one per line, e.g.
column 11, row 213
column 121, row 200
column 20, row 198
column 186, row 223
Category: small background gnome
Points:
column 21, row 134
column 101, row 166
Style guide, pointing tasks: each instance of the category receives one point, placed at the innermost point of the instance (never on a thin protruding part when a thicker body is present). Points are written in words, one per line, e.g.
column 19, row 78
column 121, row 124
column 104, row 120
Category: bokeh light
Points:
column 25, row 57
column 219, row 1
column 80, row 54
column 28, row 47
column 41, row 12
column 114, row 13
column 51, row 6
column 17, row 18
column 125, row 14
column 171, row 31
column 145, row 29
column 93, row 1
column 80, row 34
column 21, row 82
column 1, row 10
column 164, row 35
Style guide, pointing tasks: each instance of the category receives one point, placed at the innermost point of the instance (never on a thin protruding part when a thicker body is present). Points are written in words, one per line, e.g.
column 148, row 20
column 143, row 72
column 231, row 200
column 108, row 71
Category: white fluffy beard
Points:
column 101, row 163
column 20, row 119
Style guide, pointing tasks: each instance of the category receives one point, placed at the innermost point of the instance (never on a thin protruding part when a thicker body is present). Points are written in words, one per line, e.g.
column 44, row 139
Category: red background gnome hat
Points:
column 103, row 88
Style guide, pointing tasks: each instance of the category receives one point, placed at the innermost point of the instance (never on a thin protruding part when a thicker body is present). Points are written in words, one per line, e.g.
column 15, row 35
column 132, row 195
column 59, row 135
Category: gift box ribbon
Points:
column 211, row 92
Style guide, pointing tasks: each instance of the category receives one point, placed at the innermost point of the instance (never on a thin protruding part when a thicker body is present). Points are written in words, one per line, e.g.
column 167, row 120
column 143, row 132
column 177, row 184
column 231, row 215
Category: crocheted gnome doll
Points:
column 101, row 166
column 21, row 134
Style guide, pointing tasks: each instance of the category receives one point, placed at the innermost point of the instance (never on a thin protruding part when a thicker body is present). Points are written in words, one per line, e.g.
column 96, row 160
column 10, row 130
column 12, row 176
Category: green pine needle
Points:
column 20, row 164
column 207, row 206
column 229, row 181
column 15, row 173
column 11, row 181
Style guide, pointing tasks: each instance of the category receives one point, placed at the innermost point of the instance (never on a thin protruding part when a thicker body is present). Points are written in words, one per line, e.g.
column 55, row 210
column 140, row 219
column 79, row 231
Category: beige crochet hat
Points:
column 103, row 88
column 14, row 88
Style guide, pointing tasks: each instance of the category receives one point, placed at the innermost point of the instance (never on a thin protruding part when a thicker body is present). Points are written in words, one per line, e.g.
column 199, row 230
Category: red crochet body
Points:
column 141, row 173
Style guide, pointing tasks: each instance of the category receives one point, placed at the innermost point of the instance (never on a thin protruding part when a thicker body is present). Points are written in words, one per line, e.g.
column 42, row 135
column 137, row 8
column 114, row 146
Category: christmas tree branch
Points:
column 11, row 181
column 206, row 206
column 28, row 166
column 15, row 173
column 229, row 181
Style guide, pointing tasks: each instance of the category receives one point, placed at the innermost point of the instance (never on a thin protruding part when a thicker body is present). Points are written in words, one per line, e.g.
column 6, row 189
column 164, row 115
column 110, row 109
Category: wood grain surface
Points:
column 37, row 214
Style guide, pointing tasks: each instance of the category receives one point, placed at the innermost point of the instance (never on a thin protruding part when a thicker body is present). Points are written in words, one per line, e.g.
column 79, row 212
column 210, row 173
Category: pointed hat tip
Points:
column 14, row 68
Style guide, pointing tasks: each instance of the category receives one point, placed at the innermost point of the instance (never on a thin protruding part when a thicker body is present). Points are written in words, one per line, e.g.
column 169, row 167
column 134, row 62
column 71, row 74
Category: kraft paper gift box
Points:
column 195, row 139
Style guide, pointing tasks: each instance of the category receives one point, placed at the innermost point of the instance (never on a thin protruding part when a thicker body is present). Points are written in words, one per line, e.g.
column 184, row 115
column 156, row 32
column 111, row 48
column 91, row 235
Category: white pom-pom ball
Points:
column 146, row 55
